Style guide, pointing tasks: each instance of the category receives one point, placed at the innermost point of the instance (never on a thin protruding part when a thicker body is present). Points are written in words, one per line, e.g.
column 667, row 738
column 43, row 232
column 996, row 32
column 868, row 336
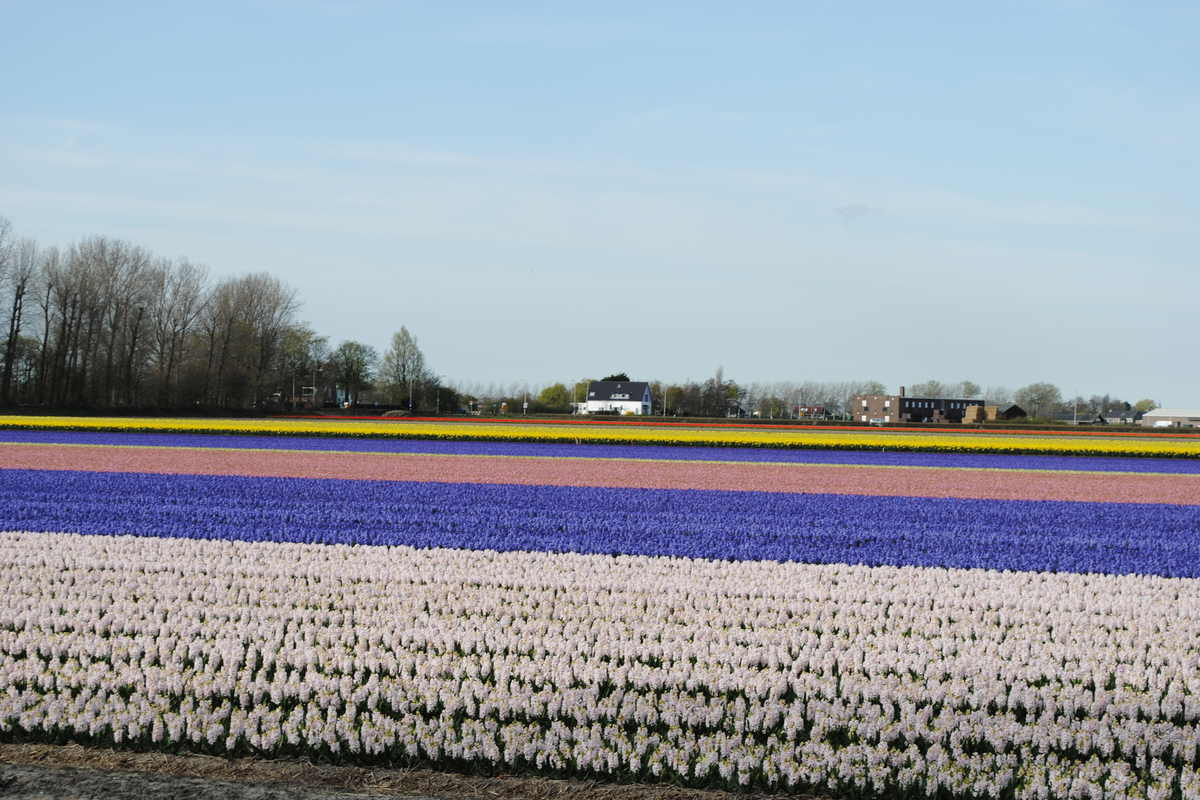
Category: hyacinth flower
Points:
column 835, row 677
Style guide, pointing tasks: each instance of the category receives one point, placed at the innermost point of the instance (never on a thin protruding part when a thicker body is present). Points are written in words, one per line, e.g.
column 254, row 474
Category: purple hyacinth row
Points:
column 816, row 528
column 762, row 455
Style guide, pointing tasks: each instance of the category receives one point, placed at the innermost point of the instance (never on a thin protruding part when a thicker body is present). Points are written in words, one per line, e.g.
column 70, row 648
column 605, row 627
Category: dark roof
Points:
column 1012, row 412
column 617, row 390
column 974, row 401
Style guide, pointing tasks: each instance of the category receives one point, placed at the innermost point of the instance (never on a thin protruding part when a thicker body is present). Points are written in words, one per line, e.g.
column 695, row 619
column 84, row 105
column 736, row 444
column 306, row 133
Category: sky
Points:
column 1002, row 192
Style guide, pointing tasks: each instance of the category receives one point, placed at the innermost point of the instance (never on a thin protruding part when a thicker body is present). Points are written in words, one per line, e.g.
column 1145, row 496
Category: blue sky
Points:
column 795, row 191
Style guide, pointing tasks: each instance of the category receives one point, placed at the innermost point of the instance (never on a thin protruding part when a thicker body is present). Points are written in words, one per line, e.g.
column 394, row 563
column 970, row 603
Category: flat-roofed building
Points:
column 882, row 409
column 1172, row 418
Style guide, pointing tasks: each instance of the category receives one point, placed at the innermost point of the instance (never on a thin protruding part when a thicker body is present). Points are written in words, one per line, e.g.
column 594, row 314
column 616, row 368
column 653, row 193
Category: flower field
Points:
column 895, row 623
column 1149, row 444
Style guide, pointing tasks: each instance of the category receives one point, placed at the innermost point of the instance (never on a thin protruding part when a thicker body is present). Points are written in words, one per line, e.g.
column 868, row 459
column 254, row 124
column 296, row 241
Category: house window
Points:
column 887, row 403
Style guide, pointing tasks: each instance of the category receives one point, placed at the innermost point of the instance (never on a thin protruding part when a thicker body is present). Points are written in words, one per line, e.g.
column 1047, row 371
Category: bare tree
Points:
column 177, row 300
column 113, row 325
column 49, row 267
column 301, row 358
column 403, row 373
column 242, row 327
column 354, row 365
column 116, row 314
column 218, row 327
column 968, row 389
column 269, row 307
column 998, row 395
column 6, row 247
column 1040, row 400
column 73, row 309
column 320, row 355
column 930, row 388
column 23, row 262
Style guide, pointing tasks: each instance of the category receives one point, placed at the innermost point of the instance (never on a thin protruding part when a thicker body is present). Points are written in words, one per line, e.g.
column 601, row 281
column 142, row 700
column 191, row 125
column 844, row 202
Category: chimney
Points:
column 902, row 391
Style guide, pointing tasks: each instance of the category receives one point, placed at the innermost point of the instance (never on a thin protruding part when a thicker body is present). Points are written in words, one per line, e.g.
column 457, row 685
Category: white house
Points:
column 1172, row 418
column 616, row 397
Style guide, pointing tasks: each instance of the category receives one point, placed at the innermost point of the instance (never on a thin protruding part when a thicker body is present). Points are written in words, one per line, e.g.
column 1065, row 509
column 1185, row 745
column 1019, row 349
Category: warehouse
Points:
column 1172, row 418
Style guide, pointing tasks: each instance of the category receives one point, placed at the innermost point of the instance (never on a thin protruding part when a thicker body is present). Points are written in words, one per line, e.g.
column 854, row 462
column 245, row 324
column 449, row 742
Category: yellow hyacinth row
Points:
column 967, row 441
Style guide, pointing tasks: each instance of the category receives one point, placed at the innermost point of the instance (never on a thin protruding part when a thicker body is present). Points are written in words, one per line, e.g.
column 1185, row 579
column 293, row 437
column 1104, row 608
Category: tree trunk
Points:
column 10, row 345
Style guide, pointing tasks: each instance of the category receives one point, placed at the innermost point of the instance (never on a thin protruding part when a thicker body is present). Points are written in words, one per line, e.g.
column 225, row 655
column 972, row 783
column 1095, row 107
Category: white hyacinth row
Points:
column 896, row 680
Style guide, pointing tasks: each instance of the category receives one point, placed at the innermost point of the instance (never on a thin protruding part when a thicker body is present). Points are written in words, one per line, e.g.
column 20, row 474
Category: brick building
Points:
column 883, row 409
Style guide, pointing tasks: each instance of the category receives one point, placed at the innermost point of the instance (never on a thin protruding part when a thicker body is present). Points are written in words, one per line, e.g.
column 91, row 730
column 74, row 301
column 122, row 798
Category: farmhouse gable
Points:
column 617, row 397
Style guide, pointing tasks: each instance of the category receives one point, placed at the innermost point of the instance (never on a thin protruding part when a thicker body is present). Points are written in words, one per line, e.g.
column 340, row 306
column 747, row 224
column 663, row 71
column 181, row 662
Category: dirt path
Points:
column 42, row 772
column 73, row 783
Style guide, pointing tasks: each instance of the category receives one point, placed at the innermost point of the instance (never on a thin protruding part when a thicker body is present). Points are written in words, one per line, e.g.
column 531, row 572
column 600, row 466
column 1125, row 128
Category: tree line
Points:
column 1040, row 400
column 717, row 396
column 108, row 324
column 720, row 396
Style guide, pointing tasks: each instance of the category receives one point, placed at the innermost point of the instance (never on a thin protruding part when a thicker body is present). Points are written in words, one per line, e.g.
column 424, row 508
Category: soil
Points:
column 42, row 772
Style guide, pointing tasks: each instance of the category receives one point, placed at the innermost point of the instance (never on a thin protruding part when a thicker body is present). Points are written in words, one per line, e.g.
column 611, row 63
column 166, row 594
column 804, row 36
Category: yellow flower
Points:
column 805, row 438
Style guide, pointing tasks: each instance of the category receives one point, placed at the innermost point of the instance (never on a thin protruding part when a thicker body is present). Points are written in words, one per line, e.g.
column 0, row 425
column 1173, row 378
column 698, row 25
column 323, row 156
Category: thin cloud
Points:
column 853, row 212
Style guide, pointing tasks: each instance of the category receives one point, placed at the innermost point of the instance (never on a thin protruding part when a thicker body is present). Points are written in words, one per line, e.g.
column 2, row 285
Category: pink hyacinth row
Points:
column 794, row 478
